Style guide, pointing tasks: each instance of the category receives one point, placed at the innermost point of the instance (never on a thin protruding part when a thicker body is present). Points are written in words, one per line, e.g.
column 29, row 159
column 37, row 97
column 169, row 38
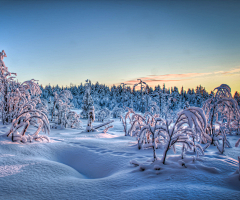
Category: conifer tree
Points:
column 87, row 100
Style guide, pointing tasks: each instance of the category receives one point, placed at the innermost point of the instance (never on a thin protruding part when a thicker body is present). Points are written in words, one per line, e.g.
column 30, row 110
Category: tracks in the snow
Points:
column 98, row 150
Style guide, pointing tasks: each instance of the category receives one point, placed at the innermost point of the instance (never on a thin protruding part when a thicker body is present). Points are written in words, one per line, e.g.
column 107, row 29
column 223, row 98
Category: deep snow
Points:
column 76, row 165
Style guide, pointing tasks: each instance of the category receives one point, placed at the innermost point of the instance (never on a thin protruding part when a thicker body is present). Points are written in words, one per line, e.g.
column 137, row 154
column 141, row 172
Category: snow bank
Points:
column 75, row 165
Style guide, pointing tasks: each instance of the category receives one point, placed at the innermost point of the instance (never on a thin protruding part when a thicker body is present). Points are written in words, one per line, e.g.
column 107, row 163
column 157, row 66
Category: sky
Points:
column 179, row 43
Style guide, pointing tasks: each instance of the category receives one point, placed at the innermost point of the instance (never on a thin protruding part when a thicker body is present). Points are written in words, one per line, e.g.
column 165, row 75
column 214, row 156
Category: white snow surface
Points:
column 78, row 165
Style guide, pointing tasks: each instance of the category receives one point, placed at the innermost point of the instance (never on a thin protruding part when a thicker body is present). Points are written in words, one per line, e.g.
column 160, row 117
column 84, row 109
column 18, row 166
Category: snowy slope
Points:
column 76, row 165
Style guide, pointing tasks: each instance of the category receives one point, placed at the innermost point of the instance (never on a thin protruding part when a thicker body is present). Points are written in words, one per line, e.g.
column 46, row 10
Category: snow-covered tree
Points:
column 7, row 86
column 221, row 135
column 26, row 113
column 91, row 119
column 29, row 115
column 144, row 90
column 189, row 122
column 61, row 104
column 87, row 100
column 103, row 114
column 223, row 103
column 127, row 117
column 235, row 124
column 73, row 120
column 237, row 97
column 153, row 108
column 117, row 112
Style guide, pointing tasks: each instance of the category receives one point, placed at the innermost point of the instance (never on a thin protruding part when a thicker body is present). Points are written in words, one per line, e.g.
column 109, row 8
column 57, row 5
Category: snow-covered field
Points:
column 76, row 165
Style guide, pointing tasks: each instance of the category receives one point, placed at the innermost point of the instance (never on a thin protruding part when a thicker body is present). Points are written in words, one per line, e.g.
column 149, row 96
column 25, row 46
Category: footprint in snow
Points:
column 129, row 154
column 118, row 153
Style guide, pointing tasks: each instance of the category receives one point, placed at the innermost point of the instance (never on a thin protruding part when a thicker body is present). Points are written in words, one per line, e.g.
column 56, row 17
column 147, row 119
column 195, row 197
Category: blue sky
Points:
column 174, row 42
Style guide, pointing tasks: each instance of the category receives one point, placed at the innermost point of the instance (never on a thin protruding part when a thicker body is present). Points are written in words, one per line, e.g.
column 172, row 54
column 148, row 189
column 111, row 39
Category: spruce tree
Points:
column 87, row 100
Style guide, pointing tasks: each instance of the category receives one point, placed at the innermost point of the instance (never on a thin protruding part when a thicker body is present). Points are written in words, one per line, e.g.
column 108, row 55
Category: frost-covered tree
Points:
column 21, row 104
column 235, row 124
column 198, row 97
column 23, row 121
column 91, row 119
column 123, row 94
column 189, row 122
column 223, row 103
column 237, row 97
column 6, row 90
column 87, row 101
column 221, row 135
column 61, row 104
column 103, row 114
column 117, row 112
column 28, row 111
column 144, row 90
column 73, row 120
column 153, row 108
column 149, row 133
column 126, row 118
column 186, row 105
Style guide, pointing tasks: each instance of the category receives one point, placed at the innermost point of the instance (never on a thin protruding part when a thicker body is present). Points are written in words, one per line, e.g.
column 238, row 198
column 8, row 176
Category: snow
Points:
column 95, row 165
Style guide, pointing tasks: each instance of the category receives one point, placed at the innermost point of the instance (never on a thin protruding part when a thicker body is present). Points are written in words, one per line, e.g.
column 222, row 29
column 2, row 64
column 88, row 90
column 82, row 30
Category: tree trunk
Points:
column 165, row 152
column 25, row 128
column 53, row 109
column 154, row 148
column 239, row 166
column 211, row 122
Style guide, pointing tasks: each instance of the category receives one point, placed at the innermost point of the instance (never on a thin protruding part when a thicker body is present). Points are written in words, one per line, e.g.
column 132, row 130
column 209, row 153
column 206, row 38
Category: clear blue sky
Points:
column 63, row 42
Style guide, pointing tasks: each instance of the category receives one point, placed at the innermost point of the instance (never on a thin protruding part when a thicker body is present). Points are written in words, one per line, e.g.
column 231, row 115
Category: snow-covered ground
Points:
column 76, row 165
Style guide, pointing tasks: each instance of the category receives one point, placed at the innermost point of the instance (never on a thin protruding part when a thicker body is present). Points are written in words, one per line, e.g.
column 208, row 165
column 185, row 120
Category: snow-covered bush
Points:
column 190, row 121
column 153, row 108
column 221, row 135
column 21, row 106
column 127, row 117
column 43, row 106
column 103, row 114
column 220, row 111
column 223, row 103
column 117, row 112
column 61, row 110
column 137, row 122
column 235, row 124
column 29, row 115
column 73, row 120
column 186, row 105
column 156, row 131
column 61, row 105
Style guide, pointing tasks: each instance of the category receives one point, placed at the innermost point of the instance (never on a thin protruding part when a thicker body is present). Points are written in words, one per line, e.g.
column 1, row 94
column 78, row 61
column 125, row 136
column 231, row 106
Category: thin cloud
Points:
column 180, row 77
column 166, row 78
column 236, row 70
column 219, row 72
column 149, row 81
column 187, row 75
